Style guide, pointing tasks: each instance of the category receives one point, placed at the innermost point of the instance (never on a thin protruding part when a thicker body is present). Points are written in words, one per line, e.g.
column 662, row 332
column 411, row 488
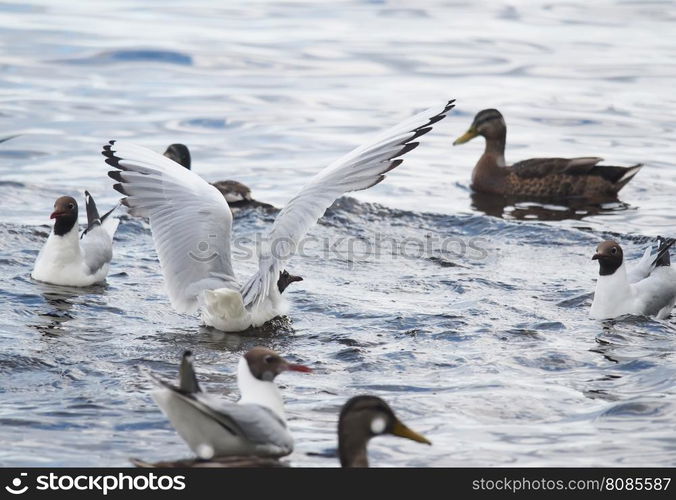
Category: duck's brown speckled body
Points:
column 553, row 178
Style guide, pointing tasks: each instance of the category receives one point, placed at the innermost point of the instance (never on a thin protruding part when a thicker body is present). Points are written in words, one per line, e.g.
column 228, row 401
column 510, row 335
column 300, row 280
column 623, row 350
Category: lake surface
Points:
column 473, row 327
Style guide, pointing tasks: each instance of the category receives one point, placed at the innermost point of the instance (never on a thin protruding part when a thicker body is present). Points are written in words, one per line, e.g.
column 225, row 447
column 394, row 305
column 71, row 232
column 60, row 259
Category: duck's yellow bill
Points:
column 401, row 430
column 467, row 136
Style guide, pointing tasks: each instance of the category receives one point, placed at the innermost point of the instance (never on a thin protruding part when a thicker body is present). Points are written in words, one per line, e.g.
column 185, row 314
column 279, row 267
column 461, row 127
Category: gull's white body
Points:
column 223, row 308
column 653, row 295
column 258, row 392
column 70, row 261
column 191, row 222
column 211, row 427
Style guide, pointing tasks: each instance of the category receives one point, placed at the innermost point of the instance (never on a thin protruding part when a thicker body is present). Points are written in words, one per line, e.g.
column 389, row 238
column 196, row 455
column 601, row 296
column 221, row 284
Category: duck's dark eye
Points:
column 269, row 359
column 71, row 206
column 614, row 250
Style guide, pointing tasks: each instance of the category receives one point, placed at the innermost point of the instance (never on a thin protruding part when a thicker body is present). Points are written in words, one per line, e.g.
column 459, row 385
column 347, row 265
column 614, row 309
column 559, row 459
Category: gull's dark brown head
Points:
column 488, row 123
column 265, row 364
column 65, row 213
column 362, row 418
column 180, row 154
column 609, row 254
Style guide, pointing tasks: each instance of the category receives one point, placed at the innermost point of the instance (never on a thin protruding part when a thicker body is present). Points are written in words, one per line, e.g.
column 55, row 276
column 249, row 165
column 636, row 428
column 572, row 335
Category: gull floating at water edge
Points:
column 69, row 259
column 253, row 426
column 647, row 288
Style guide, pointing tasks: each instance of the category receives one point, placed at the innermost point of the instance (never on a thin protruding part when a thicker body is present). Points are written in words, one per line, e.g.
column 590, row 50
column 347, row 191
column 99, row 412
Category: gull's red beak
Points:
column 56, row 214
column 299, row 368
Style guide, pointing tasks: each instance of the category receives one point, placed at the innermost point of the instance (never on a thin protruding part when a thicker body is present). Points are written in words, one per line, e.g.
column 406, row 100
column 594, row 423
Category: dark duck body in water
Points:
column 544, row 178
column 237, row 195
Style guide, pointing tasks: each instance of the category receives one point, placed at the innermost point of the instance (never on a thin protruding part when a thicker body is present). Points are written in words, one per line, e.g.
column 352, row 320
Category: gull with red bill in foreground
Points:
column 255, row 426
column 71, row 259
column 191, row 222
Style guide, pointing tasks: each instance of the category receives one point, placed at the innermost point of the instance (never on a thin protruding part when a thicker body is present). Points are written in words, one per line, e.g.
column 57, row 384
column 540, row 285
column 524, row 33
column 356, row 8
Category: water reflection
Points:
column 58, row 306
column 511, row 207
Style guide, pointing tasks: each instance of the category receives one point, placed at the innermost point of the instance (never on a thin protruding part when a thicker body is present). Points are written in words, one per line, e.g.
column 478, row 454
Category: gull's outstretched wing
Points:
column 362, row 168
column 190, row 220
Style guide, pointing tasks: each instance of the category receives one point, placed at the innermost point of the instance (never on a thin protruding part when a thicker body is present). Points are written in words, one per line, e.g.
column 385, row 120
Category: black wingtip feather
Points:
column 419, row 132
column 394, row 164
column 436, row 118
column 187, row 377
column 663, row 258
column 440, row 116
column 409, row 146
column 380, row 179
column 116, row 175
column 105, row 216
column 120, row 189
column 108, row 152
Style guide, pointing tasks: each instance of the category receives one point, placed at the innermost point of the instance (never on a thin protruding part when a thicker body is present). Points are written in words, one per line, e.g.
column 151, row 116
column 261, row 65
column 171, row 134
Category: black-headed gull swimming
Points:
column 647, row 288
column 235, row 193
column 71, row 259
column 189, row 218
column 213, row 427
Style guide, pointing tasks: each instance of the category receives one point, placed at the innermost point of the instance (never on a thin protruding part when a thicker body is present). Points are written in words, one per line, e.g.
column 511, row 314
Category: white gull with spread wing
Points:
column 188, row 215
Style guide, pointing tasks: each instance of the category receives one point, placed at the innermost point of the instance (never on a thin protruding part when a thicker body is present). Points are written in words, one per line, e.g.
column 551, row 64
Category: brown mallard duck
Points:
column 362, row 418
column 553, row 178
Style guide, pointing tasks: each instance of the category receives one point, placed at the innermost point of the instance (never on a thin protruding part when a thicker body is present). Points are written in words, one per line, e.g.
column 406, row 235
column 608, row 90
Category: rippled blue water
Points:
column 489, row 353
